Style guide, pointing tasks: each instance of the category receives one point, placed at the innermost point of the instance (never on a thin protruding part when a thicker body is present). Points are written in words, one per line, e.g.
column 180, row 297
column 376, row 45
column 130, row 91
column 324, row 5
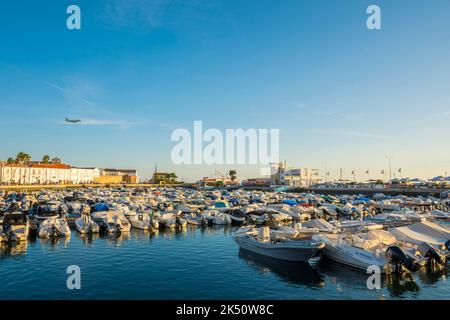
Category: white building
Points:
column 42, row 173
column 298, row 177
column 83, row 175
column 301, row 177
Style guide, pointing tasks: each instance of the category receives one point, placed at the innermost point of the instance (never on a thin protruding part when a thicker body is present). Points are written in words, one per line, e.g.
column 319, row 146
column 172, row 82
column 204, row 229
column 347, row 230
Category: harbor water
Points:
column 196, row 263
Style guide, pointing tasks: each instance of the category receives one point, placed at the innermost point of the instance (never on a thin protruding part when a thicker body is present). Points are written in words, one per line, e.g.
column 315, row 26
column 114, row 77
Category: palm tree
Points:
column 23, row 157
column 56, row 160
column 10, row 160
column 46, row 159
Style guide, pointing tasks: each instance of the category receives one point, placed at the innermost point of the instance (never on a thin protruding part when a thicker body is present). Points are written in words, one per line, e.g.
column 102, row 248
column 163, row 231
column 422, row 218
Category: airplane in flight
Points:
column 72, row 121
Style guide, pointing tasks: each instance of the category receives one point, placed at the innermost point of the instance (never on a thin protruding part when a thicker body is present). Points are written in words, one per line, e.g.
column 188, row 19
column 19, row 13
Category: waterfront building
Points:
column 296, row 177
column 114, row 176
column 83, row 175
column 59, row 173
column 222, row 181
column 160, row 177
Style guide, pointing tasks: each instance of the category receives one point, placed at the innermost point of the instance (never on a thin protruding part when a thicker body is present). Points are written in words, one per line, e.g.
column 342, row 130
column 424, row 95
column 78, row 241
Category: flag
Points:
column 353, row 171
column 367, row 172
column 382, row 171
column 400, row 170
column 328, row 173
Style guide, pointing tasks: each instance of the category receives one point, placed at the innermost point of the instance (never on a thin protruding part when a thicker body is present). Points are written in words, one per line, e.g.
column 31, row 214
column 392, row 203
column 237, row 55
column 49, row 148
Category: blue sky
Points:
column 342, row 96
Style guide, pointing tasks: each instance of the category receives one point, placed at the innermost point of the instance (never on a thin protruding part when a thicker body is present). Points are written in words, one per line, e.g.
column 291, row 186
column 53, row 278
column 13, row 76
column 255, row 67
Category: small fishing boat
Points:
column 14, row 227
column 195, row 219
column 374, row 248
column 143, row 221
column 437, row 214
column 172, row 220
column 53, row 228
column 112, row 221
column 288, row 249
column 238, row 217
column 86, row 225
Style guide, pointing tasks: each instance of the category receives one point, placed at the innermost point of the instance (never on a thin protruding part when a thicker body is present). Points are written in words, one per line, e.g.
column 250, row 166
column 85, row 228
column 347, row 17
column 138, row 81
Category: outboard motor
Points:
column 447, row 245
column 14, row 207
column 396, row 257
column 431, row 254
column 54, row 233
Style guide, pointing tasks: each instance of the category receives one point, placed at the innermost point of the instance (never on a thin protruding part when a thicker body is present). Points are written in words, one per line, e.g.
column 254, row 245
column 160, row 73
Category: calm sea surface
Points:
column 192, row 264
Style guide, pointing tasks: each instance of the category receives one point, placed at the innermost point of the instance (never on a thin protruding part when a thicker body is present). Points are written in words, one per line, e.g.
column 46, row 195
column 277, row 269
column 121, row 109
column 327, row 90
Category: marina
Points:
column 181, row 243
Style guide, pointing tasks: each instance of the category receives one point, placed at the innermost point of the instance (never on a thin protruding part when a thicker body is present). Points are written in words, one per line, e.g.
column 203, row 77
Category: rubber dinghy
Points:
column 262, row 243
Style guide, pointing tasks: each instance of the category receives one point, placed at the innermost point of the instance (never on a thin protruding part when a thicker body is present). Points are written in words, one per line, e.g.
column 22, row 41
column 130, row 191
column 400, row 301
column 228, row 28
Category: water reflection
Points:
column 327, row 279
column 53, row 242
column 116, row 239
column 399, row 285
column 342, row 276
column 432, row 277
column 13, row 249
column 87, row 239
column 299, row 273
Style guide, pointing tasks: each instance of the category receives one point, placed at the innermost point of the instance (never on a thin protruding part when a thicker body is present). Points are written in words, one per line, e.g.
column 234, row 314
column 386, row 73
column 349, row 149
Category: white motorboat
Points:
column 14, row 227
column 171, row 220
column 437, row 214
column 238, row 217
column 279, row 248
column 194, row 219
column 356, row 225
column 143, row 221
column 85, row 224
column 321, row 225
column 112, row 221
column 221, row 218
column 424, row 232
column 53, row 227
column 374, row 248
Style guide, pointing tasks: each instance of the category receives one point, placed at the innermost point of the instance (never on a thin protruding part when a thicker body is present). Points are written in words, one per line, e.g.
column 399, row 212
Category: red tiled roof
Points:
column 50, row 165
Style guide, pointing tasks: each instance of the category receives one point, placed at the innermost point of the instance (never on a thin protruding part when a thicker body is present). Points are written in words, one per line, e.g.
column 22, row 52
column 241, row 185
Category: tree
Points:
column 232, row 174
column 219, row 184
column 173, row 177
column 10, row 160
column 23, row 157
column 46, row 159
column 56, row 160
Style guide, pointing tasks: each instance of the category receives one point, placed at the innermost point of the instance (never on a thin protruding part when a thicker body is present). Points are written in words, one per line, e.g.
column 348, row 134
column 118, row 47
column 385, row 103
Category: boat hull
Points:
column 279, row 251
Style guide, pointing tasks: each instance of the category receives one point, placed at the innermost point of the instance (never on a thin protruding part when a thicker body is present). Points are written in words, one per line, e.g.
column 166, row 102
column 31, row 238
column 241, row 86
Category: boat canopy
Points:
column 101, row 207
column 426, row 231
column 290, row 202
column 320, row 224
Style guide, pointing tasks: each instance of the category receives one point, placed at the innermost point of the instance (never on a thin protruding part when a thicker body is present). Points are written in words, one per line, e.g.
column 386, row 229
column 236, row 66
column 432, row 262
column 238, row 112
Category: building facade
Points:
column 46, row 173
column 295, row 177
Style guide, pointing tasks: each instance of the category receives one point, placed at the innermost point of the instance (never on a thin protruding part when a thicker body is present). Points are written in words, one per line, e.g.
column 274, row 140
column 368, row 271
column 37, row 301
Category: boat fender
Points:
column 397, row 257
